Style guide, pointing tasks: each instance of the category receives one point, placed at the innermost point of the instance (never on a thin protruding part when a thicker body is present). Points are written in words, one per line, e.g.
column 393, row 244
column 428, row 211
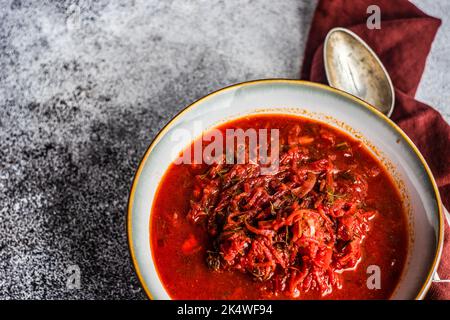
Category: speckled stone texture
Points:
column 86, row 85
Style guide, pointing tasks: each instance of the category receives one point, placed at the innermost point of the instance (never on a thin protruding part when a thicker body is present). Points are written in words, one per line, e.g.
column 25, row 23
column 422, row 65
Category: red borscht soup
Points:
column 328, row 223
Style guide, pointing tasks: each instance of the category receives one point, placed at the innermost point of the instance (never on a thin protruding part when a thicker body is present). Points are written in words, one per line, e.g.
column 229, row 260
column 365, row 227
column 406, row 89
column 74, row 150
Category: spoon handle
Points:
column 436, row 277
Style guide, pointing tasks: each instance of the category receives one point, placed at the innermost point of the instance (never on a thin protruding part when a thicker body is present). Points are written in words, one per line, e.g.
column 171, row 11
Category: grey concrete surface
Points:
column 86, row 85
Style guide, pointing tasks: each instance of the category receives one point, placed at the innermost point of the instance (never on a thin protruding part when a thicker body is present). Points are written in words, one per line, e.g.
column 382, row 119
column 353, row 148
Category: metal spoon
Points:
column 351, row 66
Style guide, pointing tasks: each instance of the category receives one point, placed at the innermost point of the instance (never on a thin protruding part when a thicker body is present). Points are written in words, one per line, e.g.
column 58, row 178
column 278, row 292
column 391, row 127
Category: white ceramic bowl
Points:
column 350, row 114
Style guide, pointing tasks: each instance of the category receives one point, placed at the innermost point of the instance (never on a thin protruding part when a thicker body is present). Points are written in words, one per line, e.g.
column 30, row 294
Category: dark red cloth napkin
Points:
column 403, row 44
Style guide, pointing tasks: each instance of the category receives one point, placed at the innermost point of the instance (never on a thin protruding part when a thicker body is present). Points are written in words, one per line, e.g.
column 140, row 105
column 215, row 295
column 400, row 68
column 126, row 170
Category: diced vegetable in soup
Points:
column 312, row 229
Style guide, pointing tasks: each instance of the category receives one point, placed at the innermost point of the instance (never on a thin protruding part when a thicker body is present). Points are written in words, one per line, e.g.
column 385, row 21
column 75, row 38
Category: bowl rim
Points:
column 437, row 255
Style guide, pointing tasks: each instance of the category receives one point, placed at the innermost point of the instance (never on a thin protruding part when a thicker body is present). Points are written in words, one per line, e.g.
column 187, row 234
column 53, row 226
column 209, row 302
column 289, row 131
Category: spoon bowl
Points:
column 351, row 66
